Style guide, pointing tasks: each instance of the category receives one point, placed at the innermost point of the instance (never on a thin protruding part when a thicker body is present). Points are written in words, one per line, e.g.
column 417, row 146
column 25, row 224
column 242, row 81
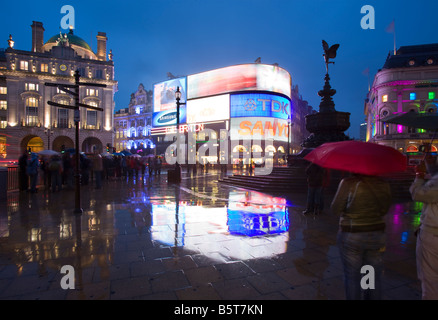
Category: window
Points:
column 385, row 98
column 91, row 119
column 3, row 105
column 3, row 90
column 92, row 92
column 24, row 65
column 3, row 122
column 431, row 95
column 412, row 96
column 63, row 114
column 32, row 105
column 44, row 67
column 31, row 86
column 99, row 74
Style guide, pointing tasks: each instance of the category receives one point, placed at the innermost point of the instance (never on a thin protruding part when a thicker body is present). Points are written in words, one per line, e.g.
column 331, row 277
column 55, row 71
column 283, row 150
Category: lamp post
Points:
column 178, row 96
column 49, row 132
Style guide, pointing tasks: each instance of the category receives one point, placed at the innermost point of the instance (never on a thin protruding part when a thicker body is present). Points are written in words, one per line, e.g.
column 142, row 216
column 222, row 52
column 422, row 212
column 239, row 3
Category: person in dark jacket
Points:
column 22, row 172
column 315, row 181
column 361, row 202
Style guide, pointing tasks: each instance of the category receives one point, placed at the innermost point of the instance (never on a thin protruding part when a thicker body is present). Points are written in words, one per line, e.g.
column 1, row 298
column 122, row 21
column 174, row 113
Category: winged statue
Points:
column 329, row 53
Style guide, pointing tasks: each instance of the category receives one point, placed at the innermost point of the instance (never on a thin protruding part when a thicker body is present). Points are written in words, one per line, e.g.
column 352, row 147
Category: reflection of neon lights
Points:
column 253, row 224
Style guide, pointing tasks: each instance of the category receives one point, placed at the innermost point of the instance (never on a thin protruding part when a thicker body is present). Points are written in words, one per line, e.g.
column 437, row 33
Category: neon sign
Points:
column 168, row 117
column 259, row 105
column 259, row 128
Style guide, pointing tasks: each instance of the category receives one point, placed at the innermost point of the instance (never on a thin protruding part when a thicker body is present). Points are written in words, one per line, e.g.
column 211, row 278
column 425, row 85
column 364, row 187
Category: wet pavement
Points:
column 149, row 239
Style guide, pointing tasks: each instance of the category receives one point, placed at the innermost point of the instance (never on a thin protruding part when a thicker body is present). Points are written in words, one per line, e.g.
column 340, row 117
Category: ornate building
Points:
column 133, row 124
column 407, row 82
column 28, row 121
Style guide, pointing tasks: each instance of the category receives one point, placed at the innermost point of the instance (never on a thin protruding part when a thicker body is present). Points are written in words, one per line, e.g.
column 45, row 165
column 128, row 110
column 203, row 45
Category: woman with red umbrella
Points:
column 361, row 201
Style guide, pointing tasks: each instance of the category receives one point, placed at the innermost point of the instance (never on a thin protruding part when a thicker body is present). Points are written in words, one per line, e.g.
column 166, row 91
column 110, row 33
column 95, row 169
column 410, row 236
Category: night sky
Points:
column 153, row 37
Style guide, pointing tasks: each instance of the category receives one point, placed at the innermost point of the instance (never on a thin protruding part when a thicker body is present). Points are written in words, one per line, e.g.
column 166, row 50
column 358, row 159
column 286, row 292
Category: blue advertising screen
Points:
column 168, row 117
column 259, row 105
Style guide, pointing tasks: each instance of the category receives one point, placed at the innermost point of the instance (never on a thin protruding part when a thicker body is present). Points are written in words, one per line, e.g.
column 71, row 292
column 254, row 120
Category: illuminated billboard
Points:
column 164, row 93
column 259, row 128
column 243, row 77
column 259, row 105
column 168, row 117
column 208, row 109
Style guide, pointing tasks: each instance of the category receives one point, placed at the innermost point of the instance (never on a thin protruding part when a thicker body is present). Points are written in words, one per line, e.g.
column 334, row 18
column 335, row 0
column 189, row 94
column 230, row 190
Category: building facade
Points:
column 133, row 124
column 27, row 121
column 408, row 82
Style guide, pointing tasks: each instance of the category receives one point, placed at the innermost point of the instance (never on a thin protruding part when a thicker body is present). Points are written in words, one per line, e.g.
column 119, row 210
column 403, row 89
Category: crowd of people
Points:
column 57, row 172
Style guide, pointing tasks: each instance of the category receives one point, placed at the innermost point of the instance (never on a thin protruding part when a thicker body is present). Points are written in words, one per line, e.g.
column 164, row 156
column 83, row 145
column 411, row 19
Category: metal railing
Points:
column 13, row 179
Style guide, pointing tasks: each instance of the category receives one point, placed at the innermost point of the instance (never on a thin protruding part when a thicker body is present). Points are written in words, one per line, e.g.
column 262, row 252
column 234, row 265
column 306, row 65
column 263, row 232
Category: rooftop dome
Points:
column 72, row 39
column 77, row 43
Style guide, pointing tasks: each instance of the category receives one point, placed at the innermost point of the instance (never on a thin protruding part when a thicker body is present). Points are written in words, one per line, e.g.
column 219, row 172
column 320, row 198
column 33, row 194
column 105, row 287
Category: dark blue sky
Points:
column 152, row 37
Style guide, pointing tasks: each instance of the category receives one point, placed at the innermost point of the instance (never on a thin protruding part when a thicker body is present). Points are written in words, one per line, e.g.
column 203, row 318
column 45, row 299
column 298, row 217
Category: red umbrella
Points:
column 358, row 157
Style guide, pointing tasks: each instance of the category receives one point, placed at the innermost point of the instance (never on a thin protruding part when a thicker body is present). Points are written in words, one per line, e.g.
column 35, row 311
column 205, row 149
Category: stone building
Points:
column 133, row 124
column 27, row 121
column 407, row 82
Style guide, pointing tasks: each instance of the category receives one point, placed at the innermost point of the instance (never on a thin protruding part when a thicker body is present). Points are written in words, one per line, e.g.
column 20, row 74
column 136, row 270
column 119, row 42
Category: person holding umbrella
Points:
column 426, row 191
column 361, row 201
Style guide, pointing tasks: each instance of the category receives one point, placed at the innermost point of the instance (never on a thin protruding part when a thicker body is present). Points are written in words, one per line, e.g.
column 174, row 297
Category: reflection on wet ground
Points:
column 147, row 239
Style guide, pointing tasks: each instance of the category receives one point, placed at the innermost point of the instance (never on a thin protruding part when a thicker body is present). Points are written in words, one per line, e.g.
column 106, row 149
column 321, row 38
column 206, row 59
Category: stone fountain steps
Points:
column 285, row 180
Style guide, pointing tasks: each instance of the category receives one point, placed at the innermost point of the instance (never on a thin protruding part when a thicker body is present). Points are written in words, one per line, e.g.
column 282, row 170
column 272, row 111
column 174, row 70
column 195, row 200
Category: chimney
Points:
column 37, row 36
column 101, row 46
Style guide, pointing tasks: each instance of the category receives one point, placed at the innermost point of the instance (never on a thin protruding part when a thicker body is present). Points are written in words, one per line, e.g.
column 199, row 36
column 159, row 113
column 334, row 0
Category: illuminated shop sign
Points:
column 208, row 109
column 168, row 117
column 182, row 129
column 164, row 93
column 259, row 105
column 243, row 77
column 258, row 128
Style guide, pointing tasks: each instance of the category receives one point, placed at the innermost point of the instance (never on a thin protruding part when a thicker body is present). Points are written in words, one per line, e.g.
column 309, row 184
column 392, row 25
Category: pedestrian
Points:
column 150, row 166
column 97, row 170
column 55, row 169
column 315, row 181
column 361, row 201
column 85, row 169
column 67, row 173
column 426, row 191
column 32, row 171
column 158, row 165
column 22, row 172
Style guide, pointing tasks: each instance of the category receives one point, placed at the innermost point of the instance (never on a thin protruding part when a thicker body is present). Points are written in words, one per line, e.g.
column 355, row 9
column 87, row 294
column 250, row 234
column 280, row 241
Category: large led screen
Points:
column 259, row 128
column 259, row 105
column 164, row 94
column 208, row 109
column 243, row 77
column 168, row 117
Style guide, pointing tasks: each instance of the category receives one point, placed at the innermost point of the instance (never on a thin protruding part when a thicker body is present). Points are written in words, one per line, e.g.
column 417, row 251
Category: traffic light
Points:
column 108, row 148
column 63, row 148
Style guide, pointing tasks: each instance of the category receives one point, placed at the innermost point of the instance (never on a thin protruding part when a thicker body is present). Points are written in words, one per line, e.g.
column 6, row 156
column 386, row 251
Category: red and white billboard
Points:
column 255, row 77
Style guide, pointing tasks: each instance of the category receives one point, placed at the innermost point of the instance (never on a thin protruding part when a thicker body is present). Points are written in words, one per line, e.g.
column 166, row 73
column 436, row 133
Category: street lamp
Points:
column 178, row 96
column 49, row 132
